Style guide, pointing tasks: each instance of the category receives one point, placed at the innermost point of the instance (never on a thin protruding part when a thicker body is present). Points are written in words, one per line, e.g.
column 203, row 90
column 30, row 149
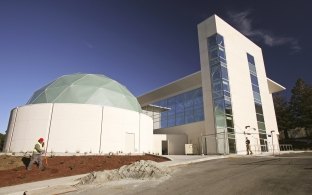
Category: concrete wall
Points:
column 146, row 131
column 29, row 124
column 75, row 128
column 79, row 128
column 176, row 143
column 192, row 131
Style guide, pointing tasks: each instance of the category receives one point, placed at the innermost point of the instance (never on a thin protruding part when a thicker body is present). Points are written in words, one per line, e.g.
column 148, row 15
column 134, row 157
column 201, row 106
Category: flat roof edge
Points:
column 274, row 86
column 153, row 90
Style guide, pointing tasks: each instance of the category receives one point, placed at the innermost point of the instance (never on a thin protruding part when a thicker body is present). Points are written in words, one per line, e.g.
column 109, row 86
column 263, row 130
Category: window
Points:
column 257, row 96
column 216, row 73
column 250, row 58
column 224, row 73
column 258, row 108
column 228, row 108
column 262, row 136
column 219, row 107
column 260, row 118
column 261, row 125
column 222, row 53
column 213, row 54
column 252, row 69
column 226, row 86
column 217, row 85
column 255, row 88
column 220, row 88
column 184, row 108
column 254, row 79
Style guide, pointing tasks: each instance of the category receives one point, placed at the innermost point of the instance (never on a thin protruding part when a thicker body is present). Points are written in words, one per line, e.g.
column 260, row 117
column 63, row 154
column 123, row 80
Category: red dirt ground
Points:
column 61, row 166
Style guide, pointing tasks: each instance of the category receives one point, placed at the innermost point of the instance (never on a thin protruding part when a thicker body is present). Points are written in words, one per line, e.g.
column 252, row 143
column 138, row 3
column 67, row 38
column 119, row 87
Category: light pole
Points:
column 272, row 140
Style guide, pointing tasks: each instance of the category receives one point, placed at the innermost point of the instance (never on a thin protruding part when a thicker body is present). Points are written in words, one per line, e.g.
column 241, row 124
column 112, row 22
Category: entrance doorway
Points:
column 264, row 145
column 164, row 147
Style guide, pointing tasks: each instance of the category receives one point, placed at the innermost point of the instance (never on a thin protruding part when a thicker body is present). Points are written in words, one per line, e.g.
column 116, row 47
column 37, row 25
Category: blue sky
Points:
column 142, row 44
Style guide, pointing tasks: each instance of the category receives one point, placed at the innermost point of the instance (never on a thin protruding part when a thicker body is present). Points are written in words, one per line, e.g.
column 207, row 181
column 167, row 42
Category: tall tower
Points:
column 236, row 92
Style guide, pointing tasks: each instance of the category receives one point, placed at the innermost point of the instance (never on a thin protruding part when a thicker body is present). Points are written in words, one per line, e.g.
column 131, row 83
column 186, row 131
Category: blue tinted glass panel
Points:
column 198, row 100
column 199, row 114
column 260, row 118
column 214, row 62
column 229, row 122
column 250, row 58
column 222, row 53
column 219, row 107
column 257, row 96
column 217, row 85
column 261, row 125
column 171, row 121
column 217, row 94
column 220, row 40
column 223, row 64
column 216, row 73
column 220, row 121
column 189, row 115
column 254, row 79
column 212, row 41
column 252, row 69
column 213, row 54
column 222, row 60
column 163, row 118
column 180, row 119
column 255, row 88
column 258, row 108
column 226, row 86
column 182, row 108
column 224, row 73
column 180, row 103
column 226, row 93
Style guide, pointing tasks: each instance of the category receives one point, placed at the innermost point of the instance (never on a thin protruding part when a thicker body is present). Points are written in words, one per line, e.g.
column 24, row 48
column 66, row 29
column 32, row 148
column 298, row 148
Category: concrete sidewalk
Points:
column 64, row 184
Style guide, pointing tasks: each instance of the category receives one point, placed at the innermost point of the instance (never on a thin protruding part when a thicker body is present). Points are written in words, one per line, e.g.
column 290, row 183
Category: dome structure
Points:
column 86, row 89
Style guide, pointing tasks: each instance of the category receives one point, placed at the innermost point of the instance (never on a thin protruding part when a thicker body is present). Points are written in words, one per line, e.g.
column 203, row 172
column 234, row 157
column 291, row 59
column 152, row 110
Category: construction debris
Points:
column 138, row 170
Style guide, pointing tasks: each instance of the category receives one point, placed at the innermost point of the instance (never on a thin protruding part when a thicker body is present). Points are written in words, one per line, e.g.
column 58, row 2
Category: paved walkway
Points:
column 64, row 184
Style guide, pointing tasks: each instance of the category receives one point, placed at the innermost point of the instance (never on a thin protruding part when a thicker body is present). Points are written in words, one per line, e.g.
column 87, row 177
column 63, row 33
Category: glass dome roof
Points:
column 86, row 89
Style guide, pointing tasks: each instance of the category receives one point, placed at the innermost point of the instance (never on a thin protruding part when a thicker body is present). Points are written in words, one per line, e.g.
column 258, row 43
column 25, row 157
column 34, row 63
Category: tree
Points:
column 282, row 111
column 2, row 138
column 301, row 105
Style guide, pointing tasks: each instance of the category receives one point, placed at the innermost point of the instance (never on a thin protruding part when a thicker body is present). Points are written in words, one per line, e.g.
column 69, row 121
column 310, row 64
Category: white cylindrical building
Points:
column 81, row 113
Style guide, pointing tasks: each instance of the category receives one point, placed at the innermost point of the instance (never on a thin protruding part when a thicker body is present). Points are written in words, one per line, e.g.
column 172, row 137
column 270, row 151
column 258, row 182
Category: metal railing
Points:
column 285, row 147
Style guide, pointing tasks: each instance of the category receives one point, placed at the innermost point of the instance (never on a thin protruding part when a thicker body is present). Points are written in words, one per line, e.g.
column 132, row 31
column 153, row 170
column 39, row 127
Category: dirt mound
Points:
column 143, row 169
column 14, row 167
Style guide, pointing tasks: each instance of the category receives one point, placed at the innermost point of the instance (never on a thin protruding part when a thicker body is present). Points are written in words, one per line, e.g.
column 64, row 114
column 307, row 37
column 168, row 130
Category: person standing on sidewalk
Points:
column 248, row 147
column 36, row 155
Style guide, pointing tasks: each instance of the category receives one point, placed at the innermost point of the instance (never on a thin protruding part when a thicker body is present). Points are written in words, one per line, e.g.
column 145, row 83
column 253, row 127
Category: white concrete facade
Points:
column 79, row 128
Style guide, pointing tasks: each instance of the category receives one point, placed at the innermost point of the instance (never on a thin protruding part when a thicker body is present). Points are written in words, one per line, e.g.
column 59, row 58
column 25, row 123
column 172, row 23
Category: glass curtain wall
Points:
column 221, row 94
column 183, row 109
column 257, row 100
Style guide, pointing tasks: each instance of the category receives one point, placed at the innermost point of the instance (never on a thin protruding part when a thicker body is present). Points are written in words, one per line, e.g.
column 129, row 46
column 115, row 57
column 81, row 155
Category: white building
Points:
column 81, row 113
column 229, row 99
column 208, row 112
